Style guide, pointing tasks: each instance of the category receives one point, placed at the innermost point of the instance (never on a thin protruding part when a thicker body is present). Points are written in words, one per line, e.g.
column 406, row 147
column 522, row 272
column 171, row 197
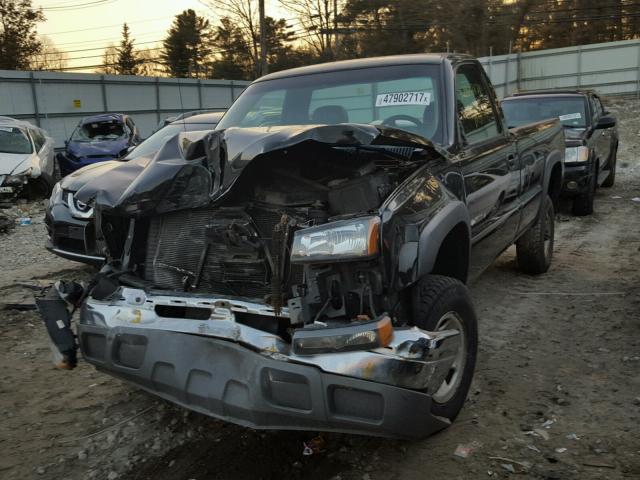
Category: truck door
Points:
column 490, row 165
column 604, row 142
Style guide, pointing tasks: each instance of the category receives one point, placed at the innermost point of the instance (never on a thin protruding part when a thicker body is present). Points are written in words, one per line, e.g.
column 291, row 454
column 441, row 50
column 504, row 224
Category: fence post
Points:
column 579, row 66
column 518, row 74
column 158, row 99
column 200, row 94
column 506, row 77
column 491, row 64
column 34, row 95
column 233, row 94
column 103, row 87
column 638, row 72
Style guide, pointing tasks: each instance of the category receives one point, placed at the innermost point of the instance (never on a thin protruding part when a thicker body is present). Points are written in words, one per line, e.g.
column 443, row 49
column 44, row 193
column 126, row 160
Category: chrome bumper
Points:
column 248, row 376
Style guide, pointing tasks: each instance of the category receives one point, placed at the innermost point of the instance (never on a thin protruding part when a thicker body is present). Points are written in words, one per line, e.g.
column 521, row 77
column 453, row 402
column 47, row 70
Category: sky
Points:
column 83, row 28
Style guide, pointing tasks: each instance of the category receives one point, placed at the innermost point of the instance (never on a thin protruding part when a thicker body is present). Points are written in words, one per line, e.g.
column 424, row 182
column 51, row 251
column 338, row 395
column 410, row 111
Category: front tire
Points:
column 534, row 249
column 444, row 303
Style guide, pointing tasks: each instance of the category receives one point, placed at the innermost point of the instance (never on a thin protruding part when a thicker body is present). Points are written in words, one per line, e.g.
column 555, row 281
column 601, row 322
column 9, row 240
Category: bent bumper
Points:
column 246, row 376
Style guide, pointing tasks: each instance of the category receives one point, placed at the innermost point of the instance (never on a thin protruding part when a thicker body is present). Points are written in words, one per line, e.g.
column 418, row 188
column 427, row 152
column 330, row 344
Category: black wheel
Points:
column 611, row 179
column 534, row 249
column 444, row 303
column 583, row 203
column 40, row 187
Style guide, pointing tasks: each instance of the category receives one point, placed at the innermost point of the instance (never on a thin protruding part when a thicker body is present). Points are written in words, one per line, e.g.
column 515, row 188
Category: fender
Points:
column 436, row 230
column 555, row 157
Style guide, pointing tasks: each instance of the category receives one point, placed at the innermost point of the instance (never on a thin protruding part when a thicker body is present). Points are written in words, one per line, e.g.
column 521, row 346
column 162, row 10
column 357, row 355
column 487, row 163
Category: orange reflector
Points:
column 374, row 236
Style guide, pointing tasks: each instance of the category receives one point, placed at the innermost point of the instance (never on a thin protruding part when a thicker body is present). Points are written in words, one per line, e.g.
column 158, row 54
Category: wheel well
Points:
column 555, row 184
column 453, row 255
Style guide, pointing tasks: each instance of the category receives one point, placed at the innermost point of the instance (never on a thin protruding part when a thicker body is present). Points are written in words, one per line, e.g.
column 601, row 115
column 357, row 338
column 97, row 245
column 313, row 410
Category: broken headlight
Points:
column 343, row 240
column 77, row 208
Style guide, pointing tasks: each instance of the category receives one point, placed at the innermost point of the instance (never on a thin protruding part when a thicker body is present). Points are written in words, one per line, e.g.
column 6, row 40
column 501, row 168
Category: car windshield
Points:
column 98, row 131
column 14, row 140
column 155, row 141
column 402, row 96
column 523, row 110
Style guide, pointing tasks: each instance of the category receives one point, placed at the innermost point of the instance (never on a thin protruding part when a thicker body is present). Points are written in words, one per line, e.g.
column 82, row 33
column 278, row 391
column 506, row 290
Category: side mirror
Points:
column 606, row 122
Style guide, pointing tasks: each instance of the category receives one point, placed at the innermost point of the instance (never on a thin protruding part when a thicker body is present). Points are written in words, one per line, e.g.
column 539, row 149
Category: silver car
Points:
column 26, row 160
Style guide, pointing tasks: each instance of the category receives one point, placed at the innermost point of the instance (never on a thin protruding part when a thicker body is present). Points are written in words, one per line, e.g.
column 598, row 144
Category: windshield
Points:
column 155, row 141
column 402, row 96
column 14, row 140
column 521, row 111
column 98, row 131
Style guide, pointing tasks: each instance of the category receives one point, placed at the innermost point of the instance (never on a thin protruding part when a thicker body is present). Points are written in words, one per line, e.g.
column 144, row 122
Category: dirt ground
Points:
column 556, row 393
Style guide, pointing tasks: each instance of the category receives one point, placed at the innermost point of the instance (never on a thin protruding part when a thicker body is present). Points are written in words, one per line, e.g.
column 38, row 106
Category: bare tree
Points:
column 318, row 20
column 110, row 60
column 245, row 15
column 150, row 64
column 49, row 57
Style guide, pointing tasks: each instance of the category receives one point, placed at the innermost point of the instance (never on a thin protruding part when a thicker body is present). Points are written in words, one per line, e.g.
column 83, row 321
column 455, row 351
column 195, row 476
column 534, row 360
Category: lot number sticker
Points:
column 403, row 98
column 570, row 116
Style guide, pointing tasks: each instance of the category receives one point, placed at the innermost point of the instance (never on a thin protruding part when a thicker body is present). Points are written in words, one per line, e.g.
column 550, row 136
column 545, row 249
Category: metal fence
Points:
column 56, row 101
column 611, row 68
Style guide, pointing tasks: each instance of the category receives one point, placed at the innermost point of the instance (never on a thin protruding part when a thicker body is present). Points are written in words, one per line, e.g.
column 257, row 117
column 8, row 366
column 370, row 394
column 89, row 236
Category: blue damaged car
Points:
column 96, row 139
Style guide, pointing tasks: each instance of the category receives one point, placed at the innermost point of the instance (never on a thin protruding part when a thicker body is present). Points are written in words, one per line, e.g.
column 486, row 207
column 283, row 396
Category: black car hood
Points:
column 179, row 178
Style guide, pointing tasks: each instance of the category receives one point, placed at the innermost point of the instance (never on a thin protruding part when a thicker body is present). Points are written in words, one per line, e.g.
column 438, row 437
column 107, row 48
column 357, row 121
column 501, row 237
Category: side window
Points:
column 475, row 113
column 595, row 113
column 38, row 139
column 599, row 106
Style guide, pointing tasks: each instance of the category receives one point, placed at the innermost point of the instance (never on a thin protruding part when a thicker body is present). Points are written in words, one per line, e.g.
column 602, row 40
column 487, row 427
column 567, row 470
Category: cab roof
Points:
column 359, row 63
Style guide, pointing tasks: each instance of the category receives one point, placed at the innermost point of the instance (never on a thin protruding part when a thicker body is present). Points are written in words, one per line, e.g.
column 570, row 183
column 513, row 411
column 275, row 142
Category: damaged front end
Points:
column 253, row 275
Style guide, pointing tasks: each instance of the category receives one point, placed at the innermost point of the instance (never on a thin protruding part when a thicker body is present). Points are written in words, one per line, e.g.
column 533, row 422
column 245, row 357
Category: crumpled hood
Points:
column 85, row 175
column 176, row 179
column 107, row 148
column 14, row 163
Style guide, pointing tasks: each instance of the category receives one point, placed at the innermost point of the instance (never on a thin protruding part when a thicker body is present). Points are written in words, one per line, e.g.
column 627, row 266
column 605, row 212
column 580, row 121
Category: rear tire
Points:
column 534, row 249
column 583, row 203
column 444, row 303
column 611, row 179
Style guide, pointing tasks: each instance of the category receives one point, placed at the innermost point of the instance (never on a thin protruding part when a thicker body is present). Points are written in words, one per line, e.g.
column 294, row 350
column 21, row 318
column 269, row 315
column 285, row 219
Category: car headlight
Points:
column 576, row 154
column 79, row 209
column 353, row 239
column 362, row 336
column 56, row 194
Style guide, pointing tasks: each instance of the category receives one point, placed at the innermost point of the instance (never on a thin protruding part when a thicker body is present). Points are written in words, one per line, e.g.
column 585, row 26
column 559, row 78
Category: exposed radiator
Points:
column 176, row 242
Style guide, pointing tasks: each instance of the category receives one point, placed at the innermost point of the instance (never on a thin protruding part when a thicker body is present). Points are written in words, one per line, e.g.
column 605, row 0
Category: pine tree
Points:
column 187, row 45
column 18, row 39
column 127, row 62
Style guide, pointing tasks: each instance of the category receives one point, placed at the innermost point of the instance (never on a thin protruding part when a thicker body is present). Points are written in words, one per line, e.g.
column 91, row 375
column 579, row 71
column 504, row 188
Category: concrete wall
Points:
column 57, row 101
column 610, row 68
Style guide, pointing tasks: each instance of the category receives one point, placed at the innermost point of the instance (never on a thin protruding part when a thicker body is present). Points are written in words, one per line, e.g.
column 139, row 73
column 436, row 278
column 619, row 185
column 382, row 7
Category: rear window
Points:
column 14, row 140
column 99, row 131
column 524, row 110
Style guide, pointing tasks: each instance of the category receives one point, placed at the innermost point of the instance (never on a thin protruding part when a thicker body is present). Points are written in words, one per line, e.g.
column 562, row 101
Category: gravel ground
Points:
column 556, row 393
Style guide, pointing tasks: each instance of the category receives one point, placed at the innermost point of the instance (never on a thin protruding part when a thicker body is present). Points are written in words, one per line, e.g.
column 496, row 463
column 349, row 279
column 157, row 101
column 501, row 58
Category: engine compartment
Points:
column 239, row 245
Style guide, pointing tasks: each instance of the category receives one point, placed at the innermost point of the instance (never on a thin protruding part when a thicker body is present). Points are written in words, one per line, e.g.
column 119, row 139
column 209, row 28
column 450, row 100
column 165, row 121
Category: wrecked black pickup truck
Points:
column 303, row 266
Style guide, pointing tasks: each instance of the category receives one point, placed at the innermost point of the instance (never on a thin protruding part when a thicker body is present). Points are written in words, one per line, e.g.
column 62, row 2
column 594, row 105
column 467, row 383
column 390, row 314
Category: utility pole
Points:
column 335, row 28
column 264, row 68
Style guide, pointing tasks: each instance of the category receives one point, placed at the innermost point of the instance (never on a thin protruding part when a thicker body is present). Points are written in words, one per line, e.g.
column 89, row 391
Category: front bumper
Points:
column 576, row 179
column 71, row 238
column 234, row 372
